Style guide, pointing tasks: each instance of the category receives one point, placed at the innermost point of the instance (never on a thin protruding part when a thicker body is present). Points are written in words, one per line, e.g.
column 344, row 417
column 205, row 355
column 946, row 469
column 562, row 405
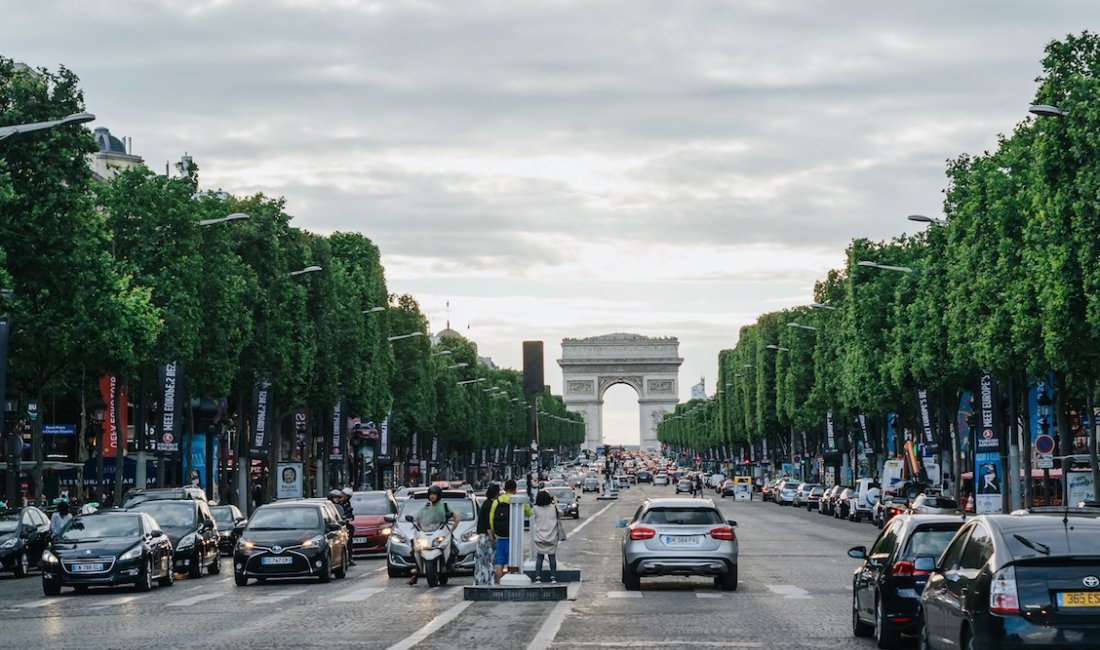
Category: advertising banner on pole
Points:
column 170, row 395
column 336, row 439
column 384, row 454
column 868, row 448
column 1042, row 430
column 928, row 433
column 830, row 432
column 114, row 420
column 988, row 472
column 290, row 481
column 261, row 421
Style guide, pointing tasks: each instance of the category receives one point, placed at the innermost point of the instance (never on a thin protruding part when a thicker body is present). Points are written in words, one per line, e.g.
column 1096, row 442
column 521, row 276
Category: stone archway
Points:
column 651, row 366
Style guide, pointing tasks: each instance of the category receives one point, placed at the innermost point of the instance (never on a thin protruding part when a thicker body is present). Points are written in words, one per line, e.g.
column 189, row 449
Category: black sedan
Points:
column 105, row 549
column 191, row 528
column 231, row 523
column 24, row 534
column 568, row 506
column 291, row 539
column 886, row 587
column 1029, row 580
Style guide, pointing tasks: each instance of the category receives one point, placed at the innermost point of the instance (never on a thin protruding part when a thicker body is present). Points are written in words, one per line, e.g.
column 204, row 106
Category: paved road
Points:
column 794, row 593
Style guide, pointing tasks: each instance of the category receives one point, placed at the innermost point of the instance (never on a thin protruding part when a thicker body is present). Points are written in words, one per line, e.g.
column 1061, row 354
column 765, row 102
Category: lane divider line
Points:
column 590, row 519
column 433, row 625
column 550, row 627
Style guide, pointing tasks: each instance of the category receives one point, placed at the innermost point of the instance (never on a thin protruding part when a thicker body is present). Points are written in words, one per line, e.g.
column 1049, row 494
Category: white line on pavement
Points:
column 789, row 591
column 589, row 520
column 624, row 594
column 432, row 626
column 187, row 602
column 40, row 603
column 549, row 630
column 707, row 594
column 358, row 595
column 121, row 600
column 277, row 596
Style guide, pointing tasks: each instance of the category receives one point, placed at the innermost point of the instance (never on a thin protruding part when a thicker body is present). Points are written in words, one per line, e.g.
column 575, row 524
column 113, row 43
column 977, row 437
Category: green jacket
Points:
column 504, row 498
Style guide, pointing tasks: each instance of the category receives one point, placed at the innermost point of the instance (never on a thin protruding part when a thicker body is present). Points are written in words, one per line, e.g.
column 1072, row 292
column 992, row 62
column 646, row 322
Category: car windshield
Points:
column 370, row 504
column 682, row 516
column 941, row 502
column 930, row 542
column 169, row 514
column 288, row 518
column 9, row 523
column 222, row 516
column 462, row 506
column 563, row 496
column 83, row 528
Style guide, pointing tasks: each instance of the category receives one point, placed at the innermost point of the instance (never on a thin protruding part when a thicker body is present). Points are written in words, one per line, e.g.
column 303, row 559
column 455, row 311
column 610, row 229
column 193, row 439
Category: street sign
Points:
column 1044, row 462
column 1044, row 444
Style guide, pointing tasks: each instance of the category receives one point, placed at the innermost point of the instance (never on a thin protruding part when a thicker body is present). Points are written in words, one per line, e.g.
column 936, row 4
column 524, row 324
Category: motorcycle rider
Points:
column 434, row 514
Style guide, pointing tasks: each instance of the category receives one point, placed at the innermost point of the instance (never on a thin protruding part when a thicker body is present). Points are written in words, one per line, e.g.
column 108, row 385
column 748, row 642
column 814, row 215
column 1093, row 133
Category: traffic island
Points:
column 534, row 592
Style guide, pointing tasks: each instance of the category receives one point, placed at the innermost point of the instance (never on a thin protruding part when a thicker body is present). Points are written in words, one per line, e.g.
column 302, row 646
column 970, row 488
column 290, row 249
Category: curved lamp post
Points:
column 19, row 129
column 236, row 216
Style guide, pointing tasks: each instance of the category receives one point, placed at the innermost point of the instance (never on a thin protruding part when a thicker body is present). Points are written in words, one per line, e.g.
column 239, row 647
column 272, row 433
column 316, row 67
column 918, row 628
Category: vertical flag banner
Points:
column 261, row 421
column 868, row 448
column 830, row 432
column 336, row 442
column 988, row 473
column 114, row 421
column 170, row 394
column 962, row 420
column 928, row 433
column 384, row 439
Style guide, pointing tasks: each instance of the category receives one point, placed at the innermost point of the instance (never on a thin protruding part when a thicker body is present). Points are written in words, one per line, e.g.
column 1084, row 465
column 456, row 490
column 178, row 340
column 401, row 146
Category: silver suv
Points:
column 680, row 537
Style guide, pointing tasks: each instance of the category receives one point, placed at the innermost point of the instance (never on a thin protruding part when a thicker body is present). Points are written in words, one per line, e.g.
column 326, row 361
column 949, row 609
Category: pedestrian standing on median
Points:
column 544, row 533
column 499, row 516
column 483, row 562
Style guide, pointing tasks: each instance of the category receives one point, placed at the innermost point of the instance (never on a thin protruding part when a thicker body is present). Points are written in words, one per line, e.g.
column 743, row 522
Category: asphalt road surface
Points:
column 795, row 592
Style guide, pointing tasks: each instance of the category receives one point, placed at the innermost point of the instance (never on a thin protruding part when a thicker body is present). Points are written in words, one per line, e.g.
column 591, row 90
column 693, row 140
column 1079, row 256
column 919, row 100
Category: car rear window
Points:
column 941, row 502
column 682, row 516
column 930, row 542
column 1076, row 537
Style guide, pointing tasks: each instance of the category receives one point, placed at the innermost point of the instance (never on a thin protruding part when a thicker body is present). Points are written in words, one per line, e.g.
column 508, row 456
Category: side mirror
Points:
column 389, row 519
column 240, row 525
column 732, row 523
column 858, row 552
column 924, row 564
column 410, row 518
column 333, row 526
column 157, row 532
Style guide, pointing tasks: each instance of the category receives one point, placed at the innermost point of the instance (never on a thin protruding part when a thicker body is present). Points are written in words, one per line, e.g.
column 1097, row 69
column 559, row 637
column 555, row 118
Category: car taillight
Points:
column 723, row 533
column 904, row 568
column 642, row 533
column 1003, row 598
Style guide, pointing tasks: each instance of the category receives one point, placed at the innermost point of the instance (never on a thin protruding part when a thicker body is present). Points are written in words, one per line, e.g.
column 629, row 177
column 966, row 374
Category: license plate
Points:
column 276, row 560
column 681, row 540
column 1079, row 599
column 86, row 568
column 360, row 540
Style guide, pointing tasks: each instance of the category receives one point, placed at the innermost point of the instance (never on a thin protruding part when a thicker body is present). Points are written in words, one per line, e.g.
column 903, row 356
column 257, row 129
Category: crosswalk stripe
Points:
column 121, row 600
column 40, row 603
column 358, row 595
column 707, row 594
column 187, row 602
column 789, row 591
column 277, row 596
column 624, row 594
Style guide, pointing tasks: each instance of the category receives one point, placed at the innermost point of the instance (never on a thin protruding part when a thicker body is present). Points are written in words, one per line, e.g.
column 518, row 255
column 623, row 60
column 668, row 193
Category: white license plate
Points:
column 360, row 540
column 681, row 540
column 276, row 560
column 86, row 568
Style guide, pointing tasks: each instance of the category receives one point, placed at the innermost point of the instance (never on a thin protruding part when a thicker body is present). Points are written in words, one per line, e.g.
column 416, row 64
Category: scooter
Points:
column 434, row 552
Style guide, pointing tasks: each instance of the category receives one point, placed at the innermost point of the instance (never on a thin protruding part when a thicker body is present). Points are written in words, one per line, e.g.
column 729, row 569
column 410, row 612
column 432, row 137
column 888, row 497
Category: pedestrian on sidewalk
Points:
column 483, row 562
column 545, row 531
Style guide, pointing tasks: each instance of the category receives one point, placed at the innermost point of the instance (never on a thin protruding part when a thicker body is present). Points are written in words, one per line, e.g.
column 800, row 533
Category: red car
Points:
column 371, row 530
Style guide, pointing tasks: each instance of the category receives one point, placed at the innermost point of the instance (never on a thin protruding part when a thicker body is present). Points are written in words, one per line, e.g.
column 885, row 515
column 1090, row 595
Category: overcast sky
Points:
column 568, row 169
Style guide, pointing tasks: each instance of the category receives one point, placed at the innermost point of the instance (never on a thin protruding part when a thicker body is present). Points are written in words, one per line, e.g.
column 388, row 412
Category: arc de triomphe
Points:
column 651, row 366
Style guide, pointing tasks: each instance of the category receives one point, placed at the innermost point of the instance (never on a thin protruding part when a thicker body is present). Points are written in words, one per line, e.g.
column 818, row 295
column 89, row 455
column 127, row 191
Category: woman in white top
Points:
column 544, row 532
column 60, row 519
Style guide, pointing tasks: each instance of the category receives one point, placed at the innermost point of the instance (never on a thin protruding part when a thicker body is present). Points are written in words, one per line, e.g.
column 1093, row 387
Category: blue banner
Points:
column 198, row 457
column 891, row 434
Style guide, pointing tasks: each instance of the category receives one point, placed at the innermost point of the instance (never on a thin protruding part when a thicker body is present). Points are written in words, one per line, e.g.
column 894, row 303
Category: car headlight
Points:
column 397, row 536
column 49, row 558
column 187, row 542
column 245, row 545
column 439, row 541
column 8, row 544
column 385, row 531
column 470, row 536
column 314, row 542
column 132, row 554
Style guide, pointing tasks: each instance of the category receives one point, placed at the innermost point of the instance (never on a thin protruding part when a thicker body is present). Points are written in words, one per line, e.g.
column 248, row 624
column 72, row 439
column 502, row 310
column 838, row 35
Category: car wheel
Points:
column 22, row 566
column 169, row 578
column 343, row 570
column 216, row 565
column 145, row 581
column 728, row 581
column 859, row 628
column 50, row 588
column 241, row 580
column 884, row 637
column 631, row 580
column 325, row 574
column 195, row 570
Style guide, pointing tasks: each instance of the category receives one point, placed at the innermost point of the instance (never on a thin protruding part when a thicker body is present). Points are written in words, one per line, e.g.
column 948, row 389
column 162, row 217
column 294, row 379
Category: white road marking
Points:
column 789, row 591
column 358, row 595
column 121, row 600
column 277, row 596
column 187, row 602
column 672, row 643
column 707, row 594
column 433, row 625
column 624, row 594
column 40, row 603
column 549, row 630
column 589, row 520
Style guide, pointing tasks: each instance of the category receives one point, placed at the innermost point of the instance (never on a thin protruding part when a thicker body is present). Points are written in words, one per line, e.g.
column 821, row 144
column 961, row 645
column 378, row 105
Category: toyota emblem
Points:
column 1091, row 581
column 277, row 549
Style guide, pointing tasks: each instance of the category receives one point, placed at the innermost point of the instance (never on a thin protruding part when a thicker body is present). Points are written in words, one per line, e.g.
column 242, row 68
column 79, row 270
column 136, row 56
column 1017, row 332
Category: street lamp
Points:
column 236, row 216
column 308, row 269
column 471, row 381
column 802, row 327
column 442, row 353
column 884, row 267
column 1046, row 110
column 920, row 218
column 777, row 348
column 821, row 305
column 374, row 310
column 457, row 366
column 12, row 131
column 404, row 336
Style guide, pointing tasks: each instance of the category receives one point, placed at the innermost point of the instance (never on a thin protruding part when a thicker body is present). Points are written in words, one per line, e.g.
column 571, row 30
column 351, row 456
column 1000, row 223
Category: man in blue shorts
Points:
column 499, row 514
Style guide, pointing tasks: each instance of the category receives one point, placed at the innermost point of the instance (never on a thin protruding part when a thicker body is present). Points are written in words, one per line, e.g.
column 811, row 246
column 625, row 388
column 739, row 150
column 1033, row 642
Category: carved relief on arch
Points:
column 575, row 387
column 634, row 382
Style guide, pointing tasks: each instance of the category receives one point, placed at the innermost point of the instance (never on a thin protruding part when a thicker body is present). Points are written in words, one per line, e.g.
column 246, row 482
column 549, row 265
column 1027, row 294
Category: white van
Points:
column 865, row 496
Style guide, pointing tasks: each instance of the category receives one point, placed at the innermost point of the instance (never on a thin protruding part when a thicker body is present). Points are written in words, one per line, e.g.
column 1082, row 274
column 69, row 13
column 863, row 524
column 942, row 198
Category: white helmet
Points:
column 348, row 491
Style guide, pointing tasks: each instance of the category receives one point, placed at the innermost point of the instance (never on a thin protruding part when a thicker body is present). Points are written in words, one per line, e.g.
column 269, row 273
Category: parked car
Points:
column 828, row 499
column 24, row 534
column 784, row 493
column 230, row 523
column 291, row 539
column 813, row 498
column 372, row 531
column 1007, row 581
column 887, row 507
column 862, row 501
column 676, row 536
column 108, row 548
column 139, row 495
column 886, row 583
column 842, row 502
column 802, row 494
column 190, row 526
column 934, row 505
column 399, row 552
column 568, row 501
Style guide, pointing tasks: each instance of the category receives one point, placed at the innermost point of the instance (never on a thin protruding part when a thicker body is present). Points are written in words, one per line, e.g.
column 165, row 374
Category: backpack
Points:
column 501, row 515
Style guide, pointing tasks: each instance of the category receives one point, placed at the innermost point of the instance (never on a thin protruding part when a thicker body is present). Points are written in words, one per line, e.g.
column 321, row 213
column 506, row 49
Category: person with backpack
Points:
column 499, row 515
column 483, row 562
